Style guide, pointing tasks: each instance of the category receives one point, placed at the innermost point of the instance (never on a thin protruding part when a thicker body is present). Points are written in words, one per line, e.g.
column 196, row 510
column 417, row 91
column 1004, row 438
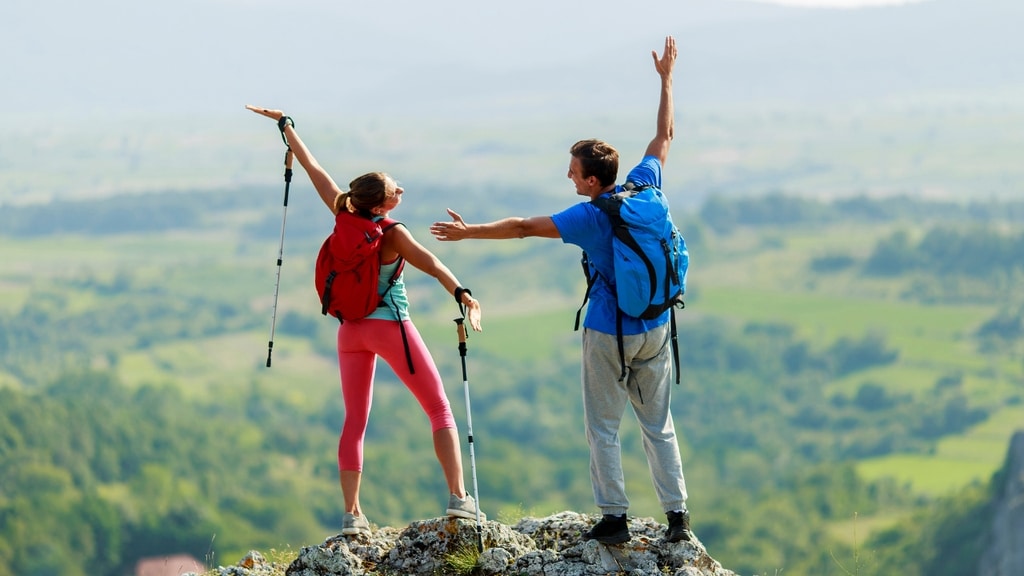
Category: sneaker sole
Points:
column 463, row 514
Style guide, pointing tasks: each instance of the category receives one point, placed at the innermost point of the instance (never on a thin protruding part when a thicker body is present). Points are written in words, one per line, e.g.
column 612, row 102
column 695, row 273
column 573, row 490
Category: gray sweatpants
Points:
column 649, row 367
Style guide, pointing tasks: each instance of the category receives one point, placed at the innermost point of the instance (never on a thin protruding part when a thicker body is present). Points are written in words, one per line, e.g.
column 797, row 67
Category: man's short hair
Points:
column 598, row 159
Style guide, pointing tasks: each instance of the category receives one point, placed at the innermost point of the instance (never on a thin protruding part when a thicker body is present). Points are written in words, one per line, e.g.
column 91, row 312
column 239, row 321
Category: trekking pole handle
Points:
column 288, row 157
column 461, row 327
column 462, row 330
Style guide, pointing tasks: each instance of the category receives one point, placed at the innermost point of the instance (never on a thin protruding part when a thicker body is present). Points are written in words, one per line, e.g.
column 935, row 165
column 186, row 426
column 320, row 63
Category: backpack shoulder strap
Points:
column 633, row 187
column 388, row 223
column 385, row 225
column 591, row 278
column 610, row 205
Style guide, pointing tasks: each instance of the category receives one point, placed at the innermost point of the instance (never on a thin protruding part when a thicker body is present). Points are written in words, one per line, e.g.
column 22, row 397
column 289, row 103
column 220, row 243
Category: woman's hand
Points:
column 473, row 308
column 272, row 114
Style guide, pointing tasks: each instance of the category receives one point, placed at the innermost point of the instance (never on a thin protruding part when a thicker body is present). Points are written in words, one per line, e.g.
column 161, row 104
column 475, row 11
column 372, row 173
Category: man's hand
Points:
column 450, row 231
column 666, row 109
column 668, row 58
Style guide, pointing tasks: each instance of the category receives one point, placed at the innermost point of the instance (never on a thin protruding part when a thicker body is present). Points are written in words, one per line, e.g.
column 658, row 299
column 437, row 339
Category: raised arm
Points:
column 457, row 229
column 322, row 181
column 666, row 112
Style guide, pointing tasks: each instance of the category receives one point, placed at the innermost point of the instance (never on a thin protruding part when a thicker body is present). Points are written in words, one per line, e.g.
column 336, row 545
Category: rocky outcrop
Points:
column 532, row 547
column 1005, row 553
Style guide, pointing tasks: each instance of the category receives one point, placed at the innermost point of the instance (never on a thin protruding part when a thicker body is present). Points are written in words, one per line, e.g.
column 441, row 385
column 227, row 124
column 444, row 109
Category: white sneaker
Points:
column 463, row 508
column 352, row 525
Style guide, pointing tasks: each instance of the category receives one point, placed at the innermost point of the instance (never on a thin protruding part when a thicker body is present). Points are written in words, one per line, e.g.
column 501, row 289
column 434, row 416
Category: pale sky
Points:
column 839, row 3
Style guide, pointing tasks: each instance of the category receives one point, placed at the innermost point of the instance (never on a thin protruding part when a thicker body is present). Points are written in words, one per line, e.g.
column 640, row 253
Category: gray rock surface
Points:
column 532, row 547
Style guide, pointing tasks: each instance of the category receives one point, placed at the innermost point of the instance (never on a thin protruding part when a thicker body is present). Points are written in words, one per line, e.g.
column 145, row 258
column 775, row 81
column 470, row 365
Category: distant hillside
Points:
column 845, row 367
column 194, row 58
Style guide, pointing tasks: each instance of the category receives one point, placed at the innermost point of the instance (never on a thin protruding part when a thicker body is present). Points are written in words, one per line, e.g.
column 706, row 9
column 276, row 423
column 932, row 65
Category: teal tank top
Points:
column 396, row 301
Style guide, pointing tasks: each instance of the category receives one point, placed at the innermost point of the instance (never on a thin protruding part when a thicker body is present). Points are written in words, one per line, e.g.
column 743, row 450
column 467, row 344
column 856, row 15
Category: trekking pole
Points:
column 280, row 250
column 469, row 424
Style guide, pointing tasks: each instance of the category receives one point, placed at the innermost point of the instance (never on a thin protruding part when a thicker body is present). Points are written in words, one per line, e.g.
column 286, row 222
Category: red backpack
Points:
column 348, row 266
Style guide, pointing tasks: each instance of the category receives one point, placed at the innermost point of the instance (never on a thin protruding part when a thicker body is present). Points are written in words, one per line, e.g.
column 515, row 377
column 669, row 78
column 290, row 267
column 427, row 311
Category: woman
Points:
column 374, row 195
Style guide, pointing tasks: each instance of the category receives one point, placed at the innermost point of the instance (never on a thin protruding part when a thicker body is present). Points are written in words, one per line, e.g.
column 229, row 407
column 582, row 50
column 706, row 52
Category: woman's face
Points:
column 393, row 196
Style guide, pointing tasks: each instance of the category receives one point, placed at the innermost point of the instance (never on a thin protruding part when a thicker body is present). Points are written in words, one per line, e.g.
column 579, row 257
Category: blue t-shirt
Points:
column 586, row 226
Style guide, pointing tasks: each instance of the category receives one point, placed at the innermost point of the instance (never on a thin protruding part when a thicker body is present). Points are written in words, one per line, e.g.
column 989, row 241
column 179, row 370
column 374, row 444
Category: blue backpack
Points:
column 651, row 259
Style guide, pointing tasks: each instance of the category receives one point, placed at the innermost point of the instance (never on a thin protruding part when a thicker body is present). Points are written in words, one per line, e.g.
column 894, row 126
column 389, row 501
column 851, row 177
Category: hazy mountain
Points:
column 450, row 56
column 112, row 96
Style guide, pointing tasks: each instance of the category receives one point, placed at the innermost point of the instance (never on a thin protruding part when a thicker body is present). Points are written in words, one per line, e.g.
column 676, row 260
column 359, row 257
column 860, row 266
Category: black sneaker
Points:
column 611, row 529
column 678, row 527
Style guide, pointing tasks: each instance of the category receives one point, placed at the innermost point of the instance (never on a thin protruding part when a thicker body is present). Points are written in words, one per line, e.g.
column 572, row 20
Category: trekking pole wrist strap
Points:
column 281, row 124
column 459, row 290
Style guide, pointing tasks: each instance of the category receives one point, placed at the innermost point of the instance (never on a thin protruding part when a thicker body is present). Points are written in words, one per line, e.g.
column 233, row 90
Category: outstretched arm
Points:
column 400, row 240
column 322, row 181
column 666, row 113
column 457, row 229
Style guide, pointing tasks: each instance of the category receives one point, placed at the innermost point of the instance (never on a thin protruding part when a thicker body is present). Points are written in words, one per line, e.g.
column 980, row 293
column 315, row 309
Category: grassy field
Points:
column 530, row 291
column 957, row 461
column 749, row 283
column 529, row 313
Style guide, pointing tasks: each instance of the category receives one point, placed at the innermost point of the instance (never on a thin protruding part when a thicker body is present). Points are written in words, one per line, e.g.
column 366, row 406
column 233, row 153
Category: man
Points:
column 593, row 168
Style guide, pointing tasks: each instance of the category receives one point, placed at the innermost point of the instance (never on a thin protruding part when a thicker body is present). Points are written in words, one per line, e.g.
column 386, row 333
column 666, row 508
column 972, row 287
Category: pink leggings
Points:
column 359, row 344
